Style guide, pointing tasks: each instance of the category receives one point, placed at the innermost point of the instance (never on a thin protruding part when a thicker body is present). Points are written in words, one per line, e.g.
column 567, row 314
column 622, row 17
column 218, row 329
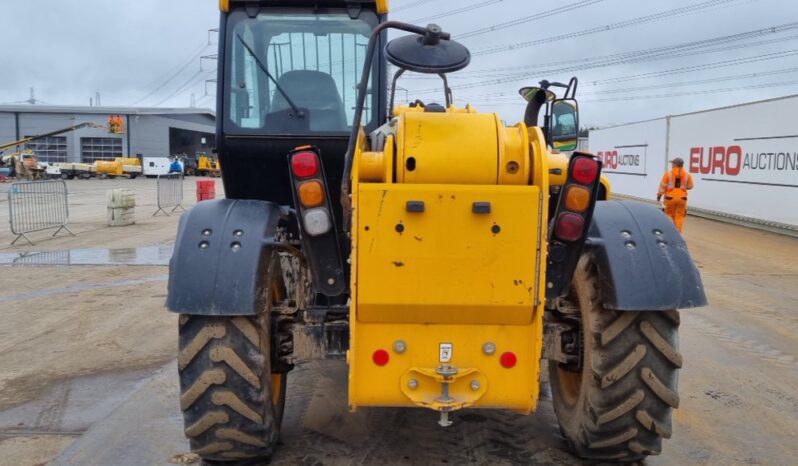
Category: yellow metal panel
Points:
column 224, row 5
column 372, row 166
column 558, row 162
column 514, row 159
column 448, row 264
column 448, row 148
column 515, row 388
column 454, row 246
column 382, row 6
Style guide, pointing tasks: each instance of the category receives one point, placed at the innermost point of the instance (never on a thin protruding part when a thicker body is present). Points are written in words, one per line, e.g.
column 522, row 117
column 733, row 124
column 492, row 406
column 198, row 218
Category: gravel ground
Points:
column 78, row 343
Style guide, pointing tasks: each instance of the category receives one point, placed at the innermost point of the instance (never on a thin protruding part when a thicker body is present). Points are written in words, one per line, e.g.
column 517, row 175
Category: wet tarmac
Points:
column 46, row 292
column 69, row 407
column 141, row 256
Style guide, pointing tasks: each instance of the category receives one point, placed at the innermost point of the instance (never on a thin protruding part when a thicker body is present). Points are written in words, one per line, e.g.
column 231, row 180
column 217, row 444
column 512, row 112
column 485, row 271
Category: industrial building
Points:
column 146, row 132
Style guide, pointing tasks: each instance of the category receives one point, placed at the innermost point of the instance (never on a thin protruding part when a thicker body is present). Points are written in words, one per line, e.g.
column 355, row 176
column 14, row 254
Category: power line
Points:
column 173, row 76
column 670, row 50
column 192, row 81
column 720, row 44
column 409, row 5
column 625, row 58
column 702, row 67
column 528, row 19
column 661, row 96
column 457, row 11
column 704, row 92
column 695, row 82
column 685, row 10
column 682, row 70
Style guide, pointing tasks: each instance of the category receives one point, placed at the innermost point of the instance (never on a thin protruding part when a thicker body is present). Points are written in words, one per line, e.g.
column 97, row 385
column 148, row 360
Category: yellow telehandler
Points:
column 439, row 252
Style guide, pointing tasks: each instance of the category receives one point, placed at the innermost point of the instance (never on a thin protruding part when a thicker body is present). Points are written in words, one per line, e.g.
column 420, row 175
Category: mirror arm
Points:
column 446, row 89
column 346, row 180
column 396, row 77
column 570, row 93
column 532, row 111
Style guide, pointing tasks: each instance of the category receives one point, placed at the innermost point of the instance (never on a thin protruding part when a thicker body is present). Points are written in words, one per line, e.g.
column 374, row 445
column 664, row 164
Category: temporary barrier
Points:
column 206, row 189
column 170, row 193
column 744, row 160
column 37, row 206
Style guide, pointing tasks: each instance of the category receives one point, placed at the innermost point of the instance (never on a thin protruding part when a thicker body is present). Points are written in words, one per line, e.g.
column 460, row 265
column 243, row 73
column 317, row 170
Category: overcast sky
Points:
column 126, row 50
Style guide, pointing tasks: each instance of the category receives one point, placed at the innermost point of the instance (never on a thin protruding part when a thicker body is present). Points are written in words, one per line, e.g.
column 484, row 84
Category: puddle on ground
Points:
column 145, row 255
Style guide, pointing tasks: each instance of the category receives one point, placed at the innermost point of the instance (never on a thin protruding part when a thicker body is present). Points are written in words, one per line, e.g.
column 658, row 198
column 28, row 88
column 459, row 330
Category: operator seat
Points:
column 317, row 92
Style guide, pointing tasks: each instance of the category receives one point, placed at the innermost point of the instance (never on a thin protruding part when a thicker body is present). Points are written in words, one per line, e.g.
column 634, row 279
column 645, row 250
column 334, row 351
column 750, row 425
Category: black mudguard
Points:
column 642, row 260
column 221, row 259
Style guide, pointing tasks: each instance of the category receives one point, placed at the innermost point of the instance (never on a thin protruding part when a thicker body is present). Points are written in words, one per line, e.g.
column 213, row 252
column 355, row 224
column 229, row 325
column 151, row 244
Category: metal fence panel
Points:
column 170, row 193
column 37, row 206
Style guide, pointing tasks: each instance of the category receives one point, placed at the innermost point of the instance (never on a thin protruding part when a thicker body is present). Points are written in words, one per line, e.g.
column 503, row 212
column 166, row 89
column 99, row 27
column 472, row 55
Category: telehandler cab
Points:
column 442, row 254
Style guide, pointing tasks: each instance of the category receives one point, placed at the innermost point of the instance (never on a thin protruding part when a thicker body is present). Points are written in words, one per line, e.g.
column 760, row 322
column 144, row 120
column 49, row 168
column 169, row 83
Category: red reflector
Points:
column 380, row 357
column 305, row 164
column 585, row 170
column 569, row 226
column 508, row 360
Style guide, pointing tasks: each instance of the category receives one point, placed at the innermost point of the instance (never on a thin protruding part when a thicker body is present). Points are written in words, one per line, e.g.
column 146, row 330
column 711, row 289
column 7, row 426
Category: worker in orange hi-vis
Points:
column 674, row 186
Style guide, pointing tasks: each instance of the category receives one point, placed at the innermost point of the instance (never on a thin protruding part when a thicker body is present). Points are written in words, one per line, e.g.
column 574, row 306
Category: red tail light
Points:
column 305, row 164
column 508, row 360
column 569, row 226
column 585, row 170
column 380, row 357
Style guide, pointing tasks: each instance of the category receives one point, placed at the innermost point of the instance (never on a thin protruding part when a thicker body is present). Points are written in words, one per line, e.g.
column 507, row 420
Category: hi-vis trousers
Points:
column 676, row 209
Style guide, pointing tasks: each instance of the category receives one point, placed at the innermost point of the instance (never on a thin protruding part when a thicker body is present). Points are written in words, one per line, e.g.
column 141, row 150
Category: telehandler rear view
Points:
column 439, row 252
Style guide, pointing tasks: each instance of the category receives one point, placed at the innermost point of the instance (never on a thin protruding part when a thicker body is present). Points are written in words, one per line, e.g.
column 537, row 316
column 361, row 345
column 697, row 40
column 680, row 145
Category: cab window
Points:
column 282, row 62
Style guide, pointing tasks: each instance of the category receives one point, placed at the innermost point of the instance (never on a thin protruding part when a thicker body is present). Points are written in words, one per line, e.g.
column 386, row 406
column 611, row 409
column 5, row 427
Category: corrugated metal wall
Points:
column 149, row 133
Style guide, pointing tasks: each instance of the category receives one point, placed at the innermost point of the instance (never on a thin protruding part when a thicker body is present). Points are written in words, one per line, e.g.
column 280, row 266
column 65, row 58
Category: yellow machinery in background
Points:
column 207, row 166
column 120, row 166
column 32, row 169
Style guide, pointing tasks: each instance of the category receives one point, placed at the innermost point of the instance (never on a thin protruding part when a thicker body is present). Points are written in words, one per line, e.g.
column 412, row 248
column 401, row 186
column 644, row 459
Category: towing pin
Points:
column 444, row 421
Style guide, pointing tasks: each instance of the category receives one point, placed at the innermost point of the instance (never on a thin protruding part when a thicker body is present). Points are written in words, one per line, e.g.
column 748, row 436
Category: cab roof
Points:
column 381, row 5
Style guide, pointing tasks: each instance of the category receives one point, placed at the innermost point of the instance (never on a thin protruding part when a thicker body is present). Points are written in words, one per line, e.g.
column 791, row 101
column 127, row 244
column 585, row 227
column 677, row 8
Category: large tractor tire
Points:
column 232, row 404
column 617, row 405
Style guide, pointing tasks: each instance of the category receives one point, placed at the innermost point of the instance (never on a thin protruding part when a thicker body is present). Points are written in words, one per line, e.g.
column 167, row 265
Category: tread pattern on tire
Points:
column 629, row 383
column 226, row 389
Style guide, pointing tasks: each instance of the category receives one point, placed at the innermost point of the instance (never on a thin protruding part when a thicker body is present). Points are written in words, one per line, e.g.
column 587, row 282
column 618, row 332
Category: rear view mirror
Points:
column 563, row 128
column 427, row 53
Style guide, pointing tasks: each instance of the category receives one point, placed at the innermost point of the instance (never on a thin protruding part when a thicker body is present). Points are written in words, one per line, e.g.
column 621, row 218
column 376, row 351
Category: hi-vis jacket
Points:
column 675, row 183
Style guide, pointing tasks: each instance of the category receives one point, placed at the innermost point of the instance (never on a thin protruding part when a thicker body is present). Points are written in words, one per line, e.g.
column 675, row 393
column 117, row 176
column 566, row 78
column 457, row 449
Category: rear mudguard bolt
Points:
column 399, row 346
column 489, row 348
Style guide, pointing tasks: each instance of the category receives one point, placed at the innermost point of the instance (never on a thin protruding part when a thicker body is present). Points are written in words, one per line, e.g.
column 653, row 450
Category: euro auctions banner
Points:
column 744, row 158
column 770, row 160
column 630, row 160
column 633, row 156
